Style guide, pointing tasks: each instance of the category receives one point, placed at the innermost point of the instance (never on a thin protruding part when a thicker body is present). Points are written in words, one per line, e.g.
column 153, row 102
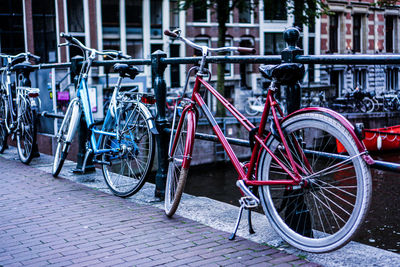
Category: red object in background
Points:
column 379, row 139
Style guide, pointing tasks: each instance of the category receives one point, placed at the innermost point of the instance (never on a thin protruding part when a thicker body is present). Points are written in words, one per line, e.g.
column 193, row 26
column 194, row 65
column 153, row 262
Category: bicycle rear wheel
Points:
column 26, row 136
column 369, row 104
column 128, row 169
column 65, row 135
column 324, row 214
column 3, row 128
column 180, row 154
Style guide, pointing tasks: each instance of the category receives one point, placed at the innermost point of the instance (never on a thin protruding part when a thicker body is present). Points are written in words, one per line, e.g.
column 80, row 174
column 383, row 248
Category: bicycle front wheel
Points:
column 26, row 136
column 325, row 213
column 129, row 163
column 3, row 128
column 65, row 135
column 180, row 154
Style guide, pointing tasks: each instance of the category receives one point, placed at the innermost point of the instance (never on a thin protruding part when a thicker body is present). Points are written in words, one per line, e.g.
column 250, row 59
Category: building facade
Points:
column 135, row 27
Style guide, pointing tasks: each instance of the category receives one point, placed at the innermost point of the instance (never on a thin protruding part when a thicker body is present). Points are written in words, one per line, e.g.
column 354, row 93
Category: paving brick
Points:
column 47, row 221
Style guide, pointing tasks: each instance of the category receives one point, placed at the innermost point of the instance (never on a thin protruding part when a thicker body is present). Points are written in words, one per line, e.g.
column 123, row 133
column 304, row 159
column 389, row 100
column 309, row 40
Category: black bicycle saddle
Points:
column 286, row 73
column 126, row 70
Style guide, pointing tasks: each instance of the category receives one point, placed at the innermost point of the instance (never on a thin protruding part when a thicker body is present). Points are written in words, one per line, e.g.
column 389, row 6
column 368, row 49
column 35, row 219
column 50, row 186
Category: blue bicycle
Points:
column 124, row 146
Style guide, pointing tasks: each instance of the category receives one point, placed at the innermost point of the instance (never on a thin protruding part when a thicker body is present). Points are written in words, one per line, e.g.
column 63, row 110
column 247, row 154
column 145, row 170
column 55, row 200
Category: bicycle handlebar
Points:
column 21, row 55
column 176, row 34
column 72, row 40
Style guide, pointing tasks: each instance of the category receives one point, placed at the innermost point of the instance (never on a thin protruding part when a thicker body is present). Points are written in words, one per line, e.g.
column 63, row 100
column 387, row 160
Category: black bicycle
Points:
column 19, row 104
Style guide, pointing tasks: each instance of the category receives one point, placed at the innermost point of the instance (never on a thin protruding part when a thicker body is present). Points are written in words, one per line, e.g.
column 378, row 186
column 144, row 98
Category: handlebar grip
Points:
column 66, row 36
column 170, row 34
column 246, row 50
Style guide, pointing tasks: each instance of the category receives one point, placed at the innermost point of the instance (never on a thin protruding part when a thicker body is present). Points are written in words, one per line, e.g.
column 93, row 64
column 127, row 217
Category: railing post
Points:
column 160, row 90
column 83, row 132
column 293, row 92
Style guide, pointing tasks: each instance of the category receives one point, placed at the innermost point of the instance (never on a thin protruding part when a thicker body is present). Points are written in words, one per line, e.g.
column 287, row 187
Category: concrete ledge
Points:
column 222, row 216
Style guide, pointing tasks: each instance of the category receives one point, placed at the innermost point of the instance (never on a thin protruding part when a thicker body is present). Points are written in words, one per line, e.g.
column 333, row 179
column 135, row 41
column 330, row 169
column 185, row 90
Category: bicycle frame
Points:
column 259, row 137
column 271, row 106
column 83, row 99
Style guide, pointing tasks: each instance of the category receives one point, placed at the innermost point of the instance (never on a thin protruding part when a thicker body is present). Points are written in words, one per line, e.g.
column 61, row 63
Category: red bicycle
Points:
column 315, row 196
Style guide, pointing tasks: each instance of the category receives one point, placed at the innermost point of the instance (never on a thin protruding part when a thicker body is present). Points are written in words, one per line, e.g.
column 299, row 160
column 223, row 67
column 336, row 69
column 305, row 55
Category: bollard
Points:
column 298, row 214
column 160, row 91
column 83, row 132
column 293, row 92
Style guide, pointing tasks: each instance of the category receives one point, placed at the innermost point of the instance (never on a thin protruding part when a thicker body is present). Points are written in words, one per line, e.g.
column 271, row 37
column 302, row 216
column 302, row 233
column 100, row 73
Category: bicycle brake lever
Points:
column 63, row 44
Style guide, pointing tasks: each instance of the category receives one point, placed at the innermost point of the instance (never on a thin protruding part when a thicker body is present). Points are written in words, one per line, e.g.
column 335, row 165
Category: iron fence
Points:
column 159, row 62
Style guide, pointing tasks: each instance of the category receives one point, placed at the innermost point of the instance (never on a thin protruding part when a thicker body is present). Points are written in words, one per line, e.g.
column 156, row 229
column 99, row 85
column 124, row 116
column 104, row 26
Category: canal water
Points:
column 381, row 228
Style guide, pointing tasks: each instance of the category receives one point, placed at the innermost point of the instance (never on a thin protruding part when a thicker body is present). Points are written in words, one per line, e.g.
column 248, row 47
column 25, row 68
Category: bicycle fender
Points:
column 345, row 122
column 149, row 118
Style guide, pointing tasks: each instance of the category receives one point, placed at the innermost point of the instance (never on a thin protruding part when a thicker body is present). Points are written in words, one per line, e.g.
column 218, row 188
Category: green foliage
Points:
column 385, row 3
column 306, row 11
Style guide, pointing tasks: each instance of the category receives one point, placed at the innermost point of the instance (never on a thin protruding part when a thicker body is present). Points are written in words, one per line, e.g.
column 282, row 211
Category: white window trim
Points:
column 85, row 33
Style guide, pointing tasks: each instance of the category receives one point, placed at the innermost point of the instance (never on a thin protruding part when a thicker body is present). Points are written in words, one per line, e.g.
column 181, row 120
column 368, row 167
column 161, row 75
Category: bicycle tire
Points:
column 26, row 135
column 3, row 128
column 178, row 156
column 369, row 104
column 294, row 212
column 65, row 136
column 360, row 105
column 135, row 134
column 247, row 107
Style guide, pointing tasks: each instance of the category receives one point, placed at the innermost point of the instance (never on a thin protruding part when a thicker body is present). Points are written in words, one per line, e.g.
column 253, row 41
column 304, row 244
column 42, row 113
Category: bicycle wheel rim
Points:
column 26, row 136
column 325, row 215
column 3, row 128
column 62, row 144
column 129, row 169
column 177, row 174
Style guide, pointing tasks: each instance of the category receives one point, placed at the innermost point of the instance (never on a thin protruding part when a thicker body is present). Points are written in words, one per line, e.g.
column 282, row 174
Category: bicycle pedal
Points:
column 102, row 162
column 248, row 202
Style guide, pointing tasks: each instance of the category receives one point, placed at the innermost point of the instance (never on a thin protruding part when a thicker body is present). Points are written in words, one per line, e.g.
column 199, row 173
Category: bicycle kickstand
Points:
column 246, row 203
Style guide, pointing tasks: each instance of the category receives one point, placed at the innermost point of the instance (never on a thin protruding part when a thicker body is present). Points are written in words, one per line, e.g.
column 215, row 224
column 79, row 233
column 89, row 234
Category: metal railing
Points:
column 159, row 62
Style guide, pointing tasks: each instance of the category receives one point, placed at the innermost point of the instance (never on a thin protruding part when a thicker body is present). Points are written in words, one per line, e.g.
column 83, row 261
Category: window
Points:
column 175, row 74
column 357, row 32
column 174, row 14
column 111, row 26
column 76, row 26
column 392, row 79
column 389, row 34
column 228, row 67
column 156, row 19
column 244, row 68
column 199, row 13
column 336, row 78
column 11, row 28
column 134, row 29
column 75, row 16
column 275, row 10
column 44, row 30
column 245, row 14
column 274, row 43
column 360, row 78
column 201, row 40
column 311, row 51
column 333, row 33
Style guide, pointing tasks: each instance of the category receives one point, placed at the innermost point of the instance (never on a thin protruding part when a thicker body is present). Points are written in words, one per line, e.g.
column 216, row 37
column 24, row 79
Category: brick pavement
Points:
column 46, row 221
